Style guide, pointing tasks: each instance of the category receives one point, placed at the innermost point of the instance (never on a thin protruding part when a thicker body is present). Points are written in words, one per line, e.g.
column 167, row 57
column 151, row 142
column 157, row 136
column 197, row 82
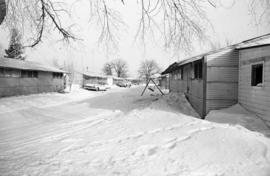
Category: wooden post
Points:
column 150, row 79
column 157, row 86
column 145, row 87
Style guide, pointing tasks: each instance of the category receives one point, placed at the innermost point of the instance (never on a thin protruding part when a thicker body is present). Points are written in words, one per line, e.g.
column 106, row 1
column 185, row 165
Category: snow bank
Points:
column 174, row 102
column 43, row 100
column 237, row 115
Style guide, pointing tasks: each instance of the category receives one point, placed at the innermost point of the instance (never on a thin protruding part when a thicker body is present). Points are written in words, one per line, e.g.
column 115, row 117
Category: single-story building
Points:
column 135, row 81
column 238, row 73
column 97, row 79
column 254, row 76
column 209, row 81
column 18, row 77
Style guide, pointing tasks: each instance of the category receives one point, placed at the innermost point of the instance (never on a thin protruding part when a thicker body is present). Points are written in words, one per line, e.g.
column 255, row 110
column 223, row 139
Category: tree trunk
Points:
column 2, row 10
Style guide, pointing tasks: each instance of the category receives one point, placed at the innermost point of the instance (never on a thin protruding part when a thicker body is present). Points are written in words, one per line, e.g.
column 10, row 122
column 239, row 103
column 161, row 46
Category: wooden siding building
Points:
column 254, row 76
column 209, row 81
column 19, row 77
column 238, row 73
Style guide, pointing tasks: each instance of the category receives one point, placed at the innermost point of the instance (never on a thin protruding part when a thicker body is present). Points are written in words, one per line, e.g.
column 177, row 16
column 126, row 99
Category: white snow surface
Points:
column 237, row 115
column 122, row 133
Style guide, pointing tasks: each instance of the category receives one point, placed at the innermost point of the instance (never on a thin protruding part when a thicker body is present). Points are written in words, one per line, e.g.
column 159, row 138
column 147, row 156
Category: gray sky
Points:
column 231, row 21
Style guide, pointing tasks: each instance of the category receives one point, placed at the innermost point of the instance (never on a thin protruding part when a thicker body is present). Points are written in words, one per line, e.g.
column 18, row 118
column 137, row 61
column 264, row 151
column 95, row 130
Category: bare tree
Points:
column 120, row 67
column 178, row 21
column 148, row 68
column 108, row 68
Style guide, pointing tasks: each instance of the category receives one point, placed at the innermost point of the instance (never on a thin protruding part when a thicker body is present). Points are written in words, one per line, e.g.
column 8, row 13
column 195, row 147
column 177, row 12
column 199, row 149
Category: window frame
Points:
column 197, row 74
column 29, row 74
column 251, row 76
column 10, row 72
column 57, row 75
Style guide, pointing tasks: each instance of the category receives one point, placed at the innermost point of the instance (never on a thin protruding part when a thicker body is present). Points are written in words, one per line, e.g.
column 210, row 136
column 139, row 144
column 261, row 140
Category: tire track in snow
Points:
column 61, row 131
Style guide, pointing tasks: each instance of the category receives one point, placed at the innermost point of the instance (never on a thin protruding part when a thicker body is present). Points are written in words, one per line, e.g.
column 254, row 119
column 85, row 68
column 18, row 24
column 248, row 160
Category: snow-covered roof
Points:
column 254, row 42
column 176, row 65
column 27, row 65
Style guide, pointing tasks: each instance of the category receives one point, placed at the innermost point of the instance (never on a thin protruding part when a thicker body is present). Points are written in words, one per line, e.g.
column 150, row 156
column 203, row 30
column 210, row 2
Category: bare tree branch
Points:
column 36, row 15
column 260, row 10
column 179, row 22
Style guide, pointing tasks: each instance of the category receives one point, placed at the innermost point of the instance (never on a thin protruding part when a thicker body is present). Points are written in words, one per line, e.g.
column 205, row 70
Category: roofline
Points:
column 255, row 46
column 233, row 46
column 199, row 57
column 60, row 71
column 268, row 34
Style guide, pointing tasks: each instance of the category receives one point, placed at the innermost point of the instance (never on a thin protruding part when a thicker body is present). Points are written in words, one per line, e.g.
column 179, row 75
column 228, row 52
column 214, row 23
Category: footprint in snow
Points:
column 146, row 150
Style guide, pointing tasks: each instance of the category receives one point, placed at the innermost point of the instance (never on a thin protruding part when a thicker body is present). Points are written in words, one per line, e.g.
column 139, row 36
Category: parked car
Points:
column 96, row 87
column 124, row 84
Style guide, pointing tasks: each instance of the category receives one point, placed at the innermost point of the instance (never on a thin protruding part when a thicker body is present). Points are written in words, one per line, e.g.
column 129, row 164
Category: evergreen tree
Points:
column 15, row 49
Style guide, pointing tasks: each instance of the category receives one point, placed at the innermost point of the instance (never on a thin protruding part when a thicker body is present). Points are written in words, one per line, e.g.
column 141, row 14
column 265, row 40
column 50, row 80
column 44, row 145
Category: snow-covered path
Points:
column 122, row 133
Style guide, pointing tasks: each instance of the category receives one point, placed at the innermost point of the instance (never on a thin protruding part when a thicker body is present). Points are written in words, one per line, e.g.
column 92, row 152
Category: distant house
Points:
column 254, row 76
column 135, row 81
column 19, row 77
column 209, row 81
column 97, row 79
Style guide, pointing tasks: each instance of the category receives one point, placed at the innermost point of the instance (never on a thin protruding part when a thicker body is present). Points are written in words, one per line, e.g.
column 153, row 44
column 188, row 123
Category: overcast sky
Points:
column 231, row 22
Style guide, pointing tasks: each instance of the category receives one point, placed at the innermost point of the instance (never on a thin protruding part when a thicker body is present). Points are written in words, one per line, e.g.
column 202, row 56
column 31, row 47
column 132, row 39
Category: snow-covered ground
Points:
column 237, row 115
column 121, row 133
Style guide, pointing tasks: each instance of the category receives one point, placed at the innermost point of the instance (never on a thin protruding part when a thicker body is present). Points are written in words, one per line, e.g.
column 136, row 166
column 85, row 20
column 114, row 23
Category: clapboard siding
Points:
column 218, row 104
column 227, row 57
column 251, row 53
column 256, row 99
column 222, row 74
column 222, row 91
column 222, row 79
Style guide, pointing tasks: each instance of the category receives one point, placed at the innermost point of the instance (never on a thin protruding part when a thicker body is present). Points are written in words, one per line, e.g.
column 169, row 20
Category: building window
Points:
column 9, row 73
column 178, row 74
column 181, row 73
column 2, row 74
column 35, row 74
column 257, row 74
column 57, row 75
column 198, row 69
column 29, row 74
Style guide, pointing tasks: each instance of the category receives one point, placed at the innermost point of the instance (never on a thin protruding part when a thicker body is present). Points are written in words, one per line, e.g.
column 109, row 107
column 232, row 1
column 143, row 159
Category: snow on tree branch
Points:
column 38, row 15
